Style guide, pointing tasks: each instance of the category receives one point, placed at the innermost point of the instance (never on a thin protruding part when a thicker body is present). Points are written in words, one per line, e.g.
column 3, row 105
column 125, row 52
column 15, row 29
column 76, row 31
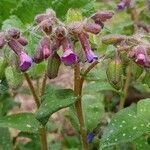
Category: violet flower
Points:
column 90, row 56
column 69, row 57
column 25, row 61
column 90, row 137
column 43, row 50
column 122, row 4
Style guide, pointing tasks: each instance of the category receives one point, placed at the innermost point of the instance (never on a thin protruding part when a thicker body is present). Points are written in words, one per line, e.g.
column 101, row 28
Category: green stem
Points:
column 42, row 131
column 126, row 87
column 78, row 104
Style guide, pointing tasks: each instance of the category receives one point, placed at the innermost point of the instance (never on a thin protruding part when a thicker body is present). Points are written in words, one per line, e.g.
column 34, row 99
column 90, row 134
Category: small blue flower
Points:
column 90, row 137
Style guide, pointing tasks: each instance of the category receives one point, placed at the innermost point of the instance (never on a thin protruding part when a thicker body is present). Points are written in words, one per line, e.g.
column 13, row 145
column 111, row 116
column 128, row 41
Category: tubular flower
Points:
column 92, row 27
column 25, row 61
column 90, row 56
column 43, row 50
column 122, row 4
column 139, row 55
column 22, row 41
column 69, row 57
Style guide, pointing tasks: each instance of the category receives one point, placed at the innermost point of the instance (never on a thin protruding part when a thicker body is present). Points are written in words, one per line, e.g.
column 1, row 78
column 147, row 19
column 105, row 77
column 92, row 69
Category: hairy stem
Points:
column 36, row 98
column 43, row 84
column 42, row 131
column 126, row 87
column 78, row 104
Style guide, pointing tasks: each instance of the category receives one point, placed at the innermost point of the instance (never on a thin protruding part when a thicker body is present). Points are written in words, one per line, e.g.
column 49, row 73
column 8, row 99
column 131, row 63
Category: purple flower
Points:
column 141, row 59
column 25, row 61
column 2, row 40
column 69, row 57
column 43, row 50
column 90, row 137
column 122, row 4
column 90, row 56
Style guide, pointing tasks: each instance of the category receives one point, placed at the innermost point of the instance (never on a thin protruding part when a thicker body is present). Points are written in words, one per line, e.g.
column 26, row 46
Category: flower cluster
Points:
column 56, row 35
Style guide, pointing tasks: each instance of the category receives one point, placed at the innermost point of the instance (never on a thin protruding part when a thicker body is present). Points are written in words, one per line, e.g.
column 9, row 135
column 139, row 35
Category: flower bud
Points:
column 15, row 46
column 25, row 61
column 39, row 18
column 102, row 16
column 114, row 72
column 47, row 27
column 2, row 40
column 14, row 33
column 90, row 56
column 113, row 39
column 43, row 50
column 69, row 57
column 60, row 32
column 53, row 66
column 75, row 28
column 23, row 41
column 92, row 28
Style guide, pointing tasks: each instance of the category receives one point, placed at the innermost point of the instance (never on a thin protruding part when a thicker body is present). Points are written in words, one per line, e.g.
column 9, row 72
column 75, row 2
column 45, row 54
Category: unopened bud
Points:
column 14, row 33
column 113, row 39
column 22, row 41
column 60, row 32
column 41, row 17
column 47, row 27
column 114, row 72
column 43, row 50
column 92, row 28
column 15, row 46
column 53, row 66
column 2, row 40
column 102, row 16
column 75, row 28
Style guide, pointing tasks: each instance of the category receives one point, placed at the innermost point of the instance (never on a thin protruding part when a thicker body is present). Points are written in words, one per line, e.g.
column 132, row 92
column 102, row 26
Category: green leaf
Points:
column 73, row 16
column 22, row 121
column 12, row 22
column 6, row 7
column 5, row 140
column 99, row 87
column 128, row 124
column 26, row 12
column 93, row 110
column 54, row 100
